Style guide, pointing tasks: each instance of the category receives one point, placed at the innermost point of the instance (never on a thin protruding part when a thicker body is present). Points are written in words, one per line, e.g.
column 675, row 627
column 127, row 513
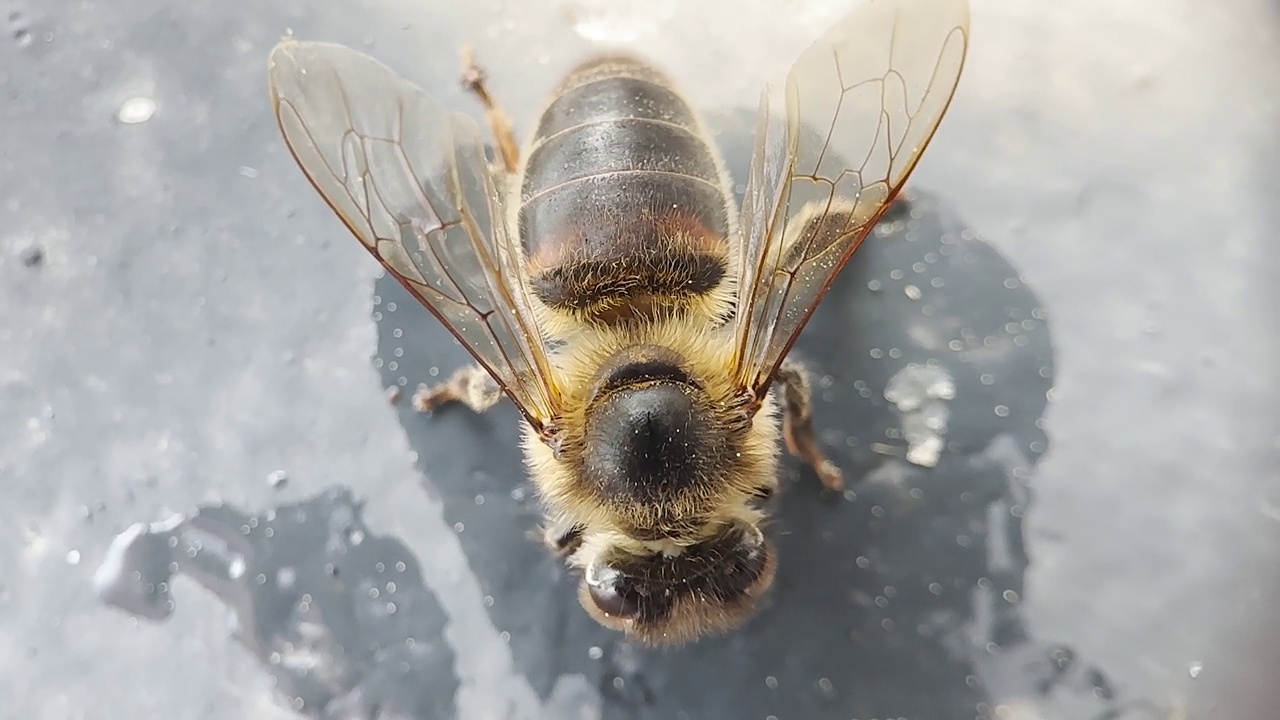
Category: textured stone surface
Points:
column 194, row 356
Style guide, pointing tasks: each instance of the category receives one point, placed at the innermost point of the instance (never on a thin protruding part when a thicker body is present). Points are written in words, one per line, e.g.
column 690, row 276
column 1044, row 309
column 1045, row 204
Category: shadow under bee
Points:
column 877, row 594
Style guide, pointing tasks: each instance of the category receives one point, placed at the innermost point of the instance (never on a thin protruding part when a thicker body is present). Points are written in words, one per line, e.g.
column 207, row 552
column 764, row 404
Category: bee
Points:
column 606, row 281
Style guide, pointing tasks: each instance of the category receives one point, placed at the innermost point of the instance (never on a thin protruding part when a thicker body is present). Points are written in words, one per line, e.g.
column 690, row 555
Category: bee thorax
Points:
column 646, row 442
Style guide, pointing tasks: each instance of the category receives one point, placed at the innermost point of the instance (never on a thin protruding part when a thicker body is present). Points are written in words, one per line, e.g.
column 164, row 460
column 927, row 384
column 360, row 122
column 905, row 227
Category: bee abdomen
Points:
column 619, row 235
column 622, row 197
column 613, row 87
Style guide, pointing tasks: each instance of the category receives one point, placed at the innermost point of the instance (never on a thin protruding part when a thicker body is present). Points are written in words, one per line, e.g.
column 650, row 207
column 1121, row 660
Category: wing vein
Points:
column 427, row 206
column 849, row 146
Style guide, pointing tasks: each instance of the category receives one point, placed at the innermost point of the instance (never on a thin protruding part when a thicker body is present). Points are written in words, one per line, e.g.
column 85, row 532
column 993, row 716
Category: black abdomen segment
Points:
column 621, row 198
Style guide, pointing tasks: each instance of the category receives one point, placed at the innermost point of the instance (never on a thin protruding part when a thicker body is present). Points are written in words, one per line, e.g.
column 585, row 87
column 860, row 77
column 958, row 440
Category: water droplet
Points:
column 136, row 110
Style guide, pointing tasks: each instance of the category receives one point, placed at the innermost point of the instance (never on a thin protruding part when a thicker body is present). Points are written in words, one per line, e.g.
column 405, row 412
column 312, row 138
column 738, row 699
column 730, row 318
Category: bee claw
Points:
column 473, row 76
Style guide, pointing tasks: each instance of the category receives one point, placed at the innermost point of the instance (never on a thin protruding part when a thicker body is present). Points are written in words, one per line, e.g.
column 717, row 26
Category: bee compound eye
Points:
column 612, row 593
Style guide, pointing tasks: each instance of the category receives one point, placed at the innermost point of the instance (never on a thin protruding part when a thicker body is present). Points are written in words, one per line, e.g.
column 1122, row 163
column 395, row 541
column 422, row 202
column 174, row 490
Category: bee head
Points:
column 665, row 598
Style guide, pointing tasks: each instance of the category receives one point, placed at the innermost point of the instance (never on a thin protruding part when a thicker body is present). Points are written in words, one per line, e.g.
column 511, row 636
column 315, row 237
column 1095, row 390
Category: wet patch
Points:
column 338, row 614
column 911, row 580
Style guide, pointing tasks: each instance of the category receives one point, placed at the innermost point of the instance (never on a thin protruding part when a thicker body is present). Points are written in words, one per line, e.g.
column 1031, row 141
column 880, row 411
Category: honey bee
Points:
column 606, row 281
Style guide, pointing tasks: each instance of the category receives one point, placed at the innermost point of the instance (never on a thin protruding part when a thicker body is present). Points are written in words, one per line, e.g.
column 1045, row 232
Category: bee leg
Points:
column 471, row 385
column 797, row 424
column 473, row 79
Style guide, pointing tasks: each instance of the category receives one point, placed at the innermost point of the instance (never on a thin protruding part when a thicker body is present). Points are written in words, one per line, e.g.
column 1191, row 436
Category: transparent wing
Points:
column 861, row 104
column 411, row 181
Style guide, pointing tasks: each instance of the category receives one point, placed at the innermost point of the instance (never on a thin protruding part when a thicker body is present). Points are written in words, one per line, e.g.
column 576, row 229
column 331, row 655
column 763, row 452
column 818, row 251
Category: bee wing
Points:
column 861, row 104
column 410, row 180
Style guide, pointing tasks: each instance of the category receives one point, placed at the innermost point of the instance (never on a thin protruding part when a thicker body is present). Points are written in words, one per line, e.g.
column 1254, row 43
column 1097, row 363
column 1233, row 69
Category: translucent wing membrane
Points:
column 411, row 181
column 861, row 104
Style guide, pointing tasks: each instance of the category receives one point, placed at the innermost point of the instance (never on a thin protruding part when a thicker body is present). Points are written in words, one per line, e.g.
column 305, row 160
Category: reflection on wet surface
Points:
column 334, row 610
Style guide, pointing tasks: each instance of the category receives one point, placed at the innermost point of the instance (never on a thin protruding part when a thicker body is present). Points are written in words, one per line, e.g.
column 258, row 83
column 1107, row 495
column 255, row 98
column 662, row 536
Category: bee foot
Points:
column 472, row 386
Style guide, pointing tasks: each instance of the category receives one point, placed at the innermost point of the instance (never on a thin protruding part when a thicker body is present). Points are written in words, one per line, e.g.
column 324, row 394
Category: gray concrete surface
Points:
column 193, row 356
